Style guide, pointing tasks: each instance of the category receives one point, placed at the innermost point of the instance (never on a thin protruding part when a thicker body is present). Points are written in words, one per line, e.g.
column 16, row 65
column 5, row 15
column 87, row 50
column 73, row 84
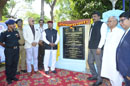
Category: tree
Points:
column 62, row 13
column 83, row 8
column 2, row 5
column 42, row 9
column 35, row 16
column 12, row 5
column 52, row 5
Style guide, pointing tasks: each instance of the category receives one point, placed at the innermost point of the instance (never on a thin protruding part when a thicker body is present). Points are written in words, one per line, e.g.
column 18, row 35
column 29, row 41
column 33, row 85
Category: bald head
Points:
column 112, row 22
column 31, row 21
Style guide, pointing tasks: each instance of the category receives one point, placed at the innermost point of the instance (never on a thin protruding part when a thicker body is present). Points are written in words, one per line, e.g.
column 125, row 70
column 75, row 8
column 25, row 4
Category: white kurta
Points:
column 50, row 53
column 109, row 57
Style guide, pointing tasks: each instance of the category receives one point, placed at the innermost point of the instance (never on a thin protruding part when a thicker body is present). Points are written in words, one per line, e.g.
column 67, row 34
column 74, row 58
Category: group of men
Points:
column 25, row 47
column 110, row 50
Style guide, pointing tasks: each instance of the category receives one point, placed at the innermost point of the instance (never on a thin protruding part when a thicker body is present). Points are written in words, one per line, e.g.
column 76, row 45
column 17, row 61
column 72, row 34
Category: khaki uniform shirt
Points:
column 21, row 41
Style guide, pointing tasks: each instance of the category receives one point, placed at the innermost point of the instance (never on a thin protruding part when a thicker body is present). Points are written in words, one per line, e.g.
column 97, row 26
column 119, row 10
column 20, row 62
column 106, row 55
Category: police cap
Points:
column 9, row 22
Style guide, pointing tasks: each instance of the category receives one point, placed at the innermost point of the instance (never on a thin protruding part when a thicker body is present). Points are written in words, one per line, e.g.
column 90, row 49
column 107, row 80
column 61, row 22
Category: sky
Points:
column 35, row 7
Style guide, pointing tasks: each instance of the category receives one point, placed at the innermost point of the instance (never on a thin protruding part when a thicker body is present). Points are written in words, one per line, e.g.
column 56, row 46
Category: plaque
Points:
column 74, row 43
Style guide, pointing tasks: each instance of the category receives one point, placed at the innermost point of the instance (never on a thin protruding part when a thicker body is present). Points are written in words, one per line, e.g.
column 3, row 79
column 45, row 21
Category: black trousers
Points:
column 41, row 52
column 11, row 62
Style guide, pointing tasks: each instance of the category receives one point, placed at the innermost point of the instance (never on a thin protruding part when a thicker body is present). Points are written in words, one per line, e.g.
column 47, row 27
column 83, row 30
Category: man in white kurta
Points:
column 109, row 55
column 51, row 39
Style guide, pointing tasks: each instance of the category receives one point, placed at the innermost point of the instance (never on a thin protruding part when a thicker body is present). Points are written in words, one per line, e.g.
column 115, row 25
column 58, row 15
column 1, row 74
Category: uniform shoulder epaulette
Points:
column 4, row 31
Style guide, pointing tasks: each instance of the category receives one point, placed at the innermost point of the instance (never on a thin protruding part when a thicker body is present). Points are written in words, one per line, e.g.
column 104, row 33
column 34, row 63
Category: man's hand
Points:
column 98, row 51
column 34, row 44
column 2, row 44
column 128, row 77
column 41, row 42
column 52, row 44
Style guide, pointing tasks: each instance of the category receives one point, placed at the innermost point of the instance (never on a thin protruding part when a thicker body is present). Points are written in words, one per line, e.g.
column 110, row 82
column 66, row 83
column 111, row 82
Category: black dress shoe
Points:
column 40, row 68
column 46, row 72
column 17, row 73
column 54, row 71
column 15, row 79
column 9, row 81
column 24, row 71
column 97, row 83
column 91, row 78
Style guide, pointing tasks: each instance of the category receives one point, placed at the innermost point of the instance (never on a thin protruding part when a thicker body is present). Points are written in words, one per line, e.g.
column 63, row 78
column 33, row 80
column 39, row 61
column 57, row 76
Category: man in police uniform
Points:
column 22, row 52
column 9, row 39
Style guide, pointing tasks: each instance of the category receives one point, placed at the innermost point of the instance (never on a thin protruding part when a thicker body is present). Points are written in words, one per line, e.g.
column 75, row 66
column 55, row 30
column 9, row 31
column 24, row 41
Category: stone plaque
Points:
column 74, row 43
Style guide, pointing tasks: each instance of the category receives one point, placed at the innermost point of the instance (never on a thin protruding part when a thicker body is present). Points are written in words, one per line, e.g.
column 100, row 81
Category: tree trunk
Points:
column 0, row 14
column 42, row 9
column 51, row 13
column 52, row 8
column 2, row 4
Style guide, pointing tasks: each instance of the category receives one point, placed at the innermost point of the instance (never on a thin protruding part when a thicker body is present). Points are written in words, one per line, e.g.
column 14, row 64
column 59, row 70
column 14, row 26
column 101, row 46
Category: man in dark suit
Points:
column 123, row 50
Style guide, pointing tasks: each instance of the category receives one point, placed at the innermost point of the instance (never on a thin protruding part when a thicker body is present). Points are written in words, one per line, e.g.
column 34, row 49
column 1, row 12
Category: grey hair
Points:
column 114, row 17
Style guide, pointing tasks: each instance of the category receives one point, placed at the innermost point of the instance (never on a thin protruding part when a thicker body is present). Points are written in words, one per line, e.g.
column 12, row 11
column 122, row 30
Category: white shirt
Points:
column 109, row 55
column 124, row 35
column 41, row 31
column 103, row 32
column 46, row 41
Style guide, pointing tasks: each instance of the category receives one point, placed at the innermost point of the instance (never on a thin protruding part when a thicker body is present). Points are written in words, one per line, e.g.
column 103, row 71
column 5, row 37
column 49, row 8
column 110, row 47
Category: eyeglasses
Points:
column 122, row 20
column 109, row 21
column 41, row 22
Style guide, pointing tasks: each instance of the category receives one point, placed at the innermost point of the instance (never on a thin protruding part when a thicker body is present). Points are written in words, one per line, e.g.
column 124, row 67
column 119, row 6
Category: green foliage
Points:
column 49, row 1
column 29, row 1
column 4, row 18
column 81, row 9
column 35, row 16
column 5, row 10
column 62, row 14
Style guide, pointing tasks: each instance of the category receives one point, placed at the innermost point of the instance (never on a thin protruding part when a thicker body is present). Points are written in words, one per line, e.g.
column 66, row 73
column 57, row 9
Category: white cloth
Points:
column 2, row 55
column 41, row 31
column 103, row 32
column 48, row 54
column 108, row 69
column 32, row 54
column 29, row 37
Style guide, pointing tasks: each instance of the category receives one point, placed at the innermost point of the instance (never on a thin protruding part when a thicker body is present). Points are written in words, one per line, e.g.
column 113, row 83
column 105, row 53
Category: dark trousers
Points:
column 93, row 57
column 41, row 52
column 127, row 82
column 11, row 62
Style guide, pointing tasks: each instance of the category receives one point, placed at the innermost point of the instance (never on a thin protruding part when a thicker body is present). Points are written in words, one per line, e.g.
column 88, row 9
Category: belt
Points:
column 21, row 44
column 14, row 47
